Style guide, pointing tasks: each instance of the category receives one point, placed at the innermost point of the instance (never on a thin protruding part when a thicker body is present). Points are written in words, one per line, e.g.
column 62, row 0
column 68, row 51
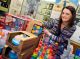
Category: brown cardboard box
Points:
column 26, row 46
column 23, row 55
column 31, row 41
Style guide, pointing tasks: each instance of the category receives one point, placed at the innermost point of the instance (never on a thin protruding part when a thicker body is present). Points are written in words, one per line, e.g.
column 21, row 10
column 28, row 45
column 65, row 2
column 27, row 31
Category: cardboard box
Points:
column 35, row 27
column 23, row 55
column 15, row 22
column 31, row 41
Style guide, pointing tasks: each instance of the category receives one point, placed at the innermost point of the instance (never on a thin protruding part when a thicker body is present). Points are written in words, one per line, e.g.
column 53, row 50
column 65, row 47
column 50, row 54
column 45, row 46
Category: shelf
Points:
column 3, row 9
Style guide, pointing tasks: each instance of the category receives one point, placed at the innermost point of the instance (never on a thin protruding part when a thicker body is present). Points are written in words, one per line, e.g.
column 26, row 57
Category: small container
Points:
column 15, row 42
column 13, row 55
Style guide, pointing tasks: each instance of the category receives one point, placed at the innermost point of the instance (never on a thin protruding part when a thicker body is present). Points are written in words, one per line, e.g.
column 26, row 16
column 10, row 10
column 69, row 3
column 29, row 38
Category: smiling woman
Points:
column 63, row 28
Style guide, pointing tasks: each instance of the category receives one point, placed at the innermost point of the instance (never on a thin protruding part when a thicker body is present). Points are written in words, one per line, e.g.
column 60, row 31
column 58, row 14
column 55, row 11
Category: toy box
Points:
column 24, row 43
column 15, row 23
column 7, row 54
column 35, row 27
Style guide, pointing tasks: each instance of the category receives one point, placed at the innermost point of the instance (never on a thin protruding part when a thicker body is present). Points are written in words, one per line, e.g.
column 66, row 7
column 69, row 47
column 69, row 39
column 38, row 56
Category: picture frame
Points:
column 78, row 12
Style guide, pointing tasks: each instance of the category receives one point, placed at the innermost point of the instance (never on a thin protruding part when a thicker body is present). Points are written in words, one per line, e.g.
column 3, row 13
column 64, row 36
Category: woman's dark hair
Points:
column 73, row 12
column 72, row 19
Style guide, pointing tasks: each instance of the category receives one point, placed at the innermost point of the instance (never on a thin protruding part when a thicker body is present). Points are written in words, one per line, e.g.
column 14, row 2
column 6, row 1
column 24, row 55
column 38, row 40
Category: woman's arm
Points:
column 49, row 24
column 66, row 34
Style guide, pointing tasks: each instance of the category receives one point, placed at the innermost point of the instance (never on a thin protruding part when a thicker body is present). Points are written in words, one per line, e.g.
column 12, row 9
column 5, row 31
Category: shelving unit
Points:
column 4, row 5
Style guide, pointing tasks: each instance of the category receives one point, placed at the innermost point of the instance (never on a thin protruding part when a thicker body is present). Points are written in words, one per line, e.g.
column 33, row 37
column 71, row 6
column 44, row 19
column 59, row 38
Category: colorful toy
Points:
column 7, row 27
column 1, row 50
column 16, row 40
column 77, row 52
column 76, row 57
column 37, row 30
column 1, row 33
column 44, row 51
column 49, row 48
column 13, row 55
column 18, row 23
column 2, row 41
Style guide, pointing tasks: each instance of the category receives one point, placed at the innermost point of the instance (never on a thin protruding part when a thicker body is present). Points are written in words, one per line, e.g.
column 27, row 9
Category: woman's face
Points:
column 66, row 15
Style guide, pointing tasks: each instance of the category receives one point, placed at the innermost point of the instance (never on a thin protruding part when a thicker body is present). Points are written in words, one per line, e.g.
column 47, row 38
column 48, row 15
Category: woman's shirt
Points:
column 53, row 28
column 65, row 34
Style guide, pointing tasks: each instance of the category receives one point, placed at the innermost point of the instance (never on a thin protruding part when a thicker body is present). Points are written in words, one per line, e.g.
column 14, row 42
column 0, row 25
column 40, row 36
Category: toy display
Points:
column 19, row 41
column 43, row 52
column 37, row 30
column 47, row 48
column 15, row 23
column 3, row 36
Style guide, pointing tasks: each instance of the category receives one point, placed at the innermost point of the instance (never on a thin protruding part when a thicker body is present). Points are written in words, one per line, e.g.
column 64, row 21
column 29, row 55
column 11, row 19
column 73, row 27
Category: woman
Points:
column 62, row 28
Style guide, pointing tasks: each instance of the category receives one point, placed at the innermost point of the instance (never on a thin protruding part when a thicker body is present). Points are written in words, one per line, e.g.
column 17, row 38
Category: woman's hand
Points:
column 47, row 32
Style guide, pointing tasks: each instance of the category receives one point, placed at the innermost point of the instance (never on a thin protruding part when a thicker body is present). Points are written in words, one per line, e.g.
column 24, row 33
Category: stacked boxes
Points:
column 14, row 23
column 26, row 46
column 21, row 47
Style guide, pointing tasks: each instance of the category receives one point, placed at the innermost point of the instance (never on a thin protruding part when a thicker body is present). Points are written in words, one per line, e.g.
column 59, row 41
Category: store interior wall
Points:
column 40, row 9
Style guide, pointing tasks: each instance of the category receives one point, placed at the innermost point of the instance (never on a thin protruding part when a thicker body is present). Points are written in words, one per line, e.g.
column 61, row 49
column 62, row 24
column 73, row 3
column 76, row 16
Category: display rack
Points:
column 25, row 48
